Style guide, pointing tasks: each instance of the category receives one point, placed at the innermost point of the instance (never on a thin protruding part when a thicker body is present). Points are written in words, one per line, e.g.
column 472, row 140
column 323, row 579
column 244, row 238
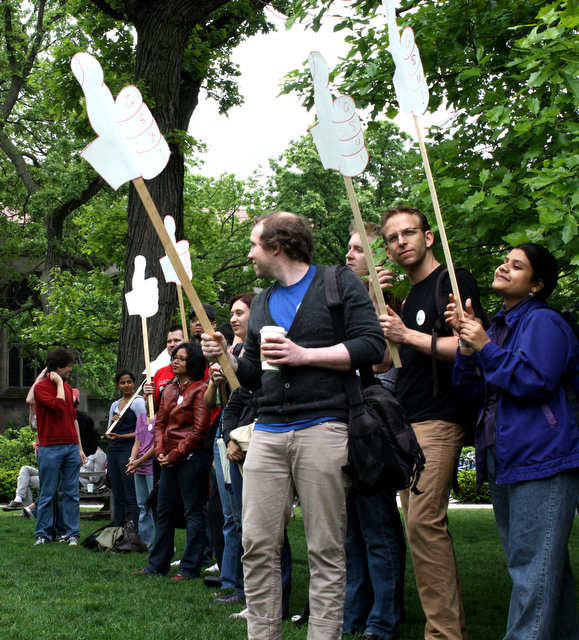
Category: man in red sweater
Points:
column 164, row 375
column 60, row 453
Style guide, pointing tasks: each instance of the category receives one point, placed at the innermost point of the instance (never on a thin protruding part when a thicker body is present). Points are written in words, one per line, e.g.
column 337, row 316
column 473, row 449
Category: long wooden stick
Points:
column 122, row 413
column 182, row 312
column 439, row 220
column 370, row 262
column 153, row 214
column 147, row 364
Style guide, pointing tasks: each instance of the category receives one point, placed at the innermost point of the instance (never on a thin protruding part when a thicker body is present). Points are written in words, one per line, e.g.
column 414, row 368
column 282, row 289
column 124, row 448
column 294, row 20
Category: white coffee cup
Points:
column 90, row 487
column 270, row 332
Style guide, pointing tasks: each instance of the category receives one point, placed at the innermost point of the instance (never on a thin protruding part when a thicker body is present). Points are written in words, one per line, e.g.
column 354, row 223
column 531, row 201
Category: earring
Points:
column 531, row 294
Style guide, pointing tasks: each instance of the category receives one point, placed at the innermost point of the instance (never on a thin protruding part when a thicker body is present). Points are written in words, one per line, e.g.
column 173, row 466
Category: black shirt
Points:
column 414, row 386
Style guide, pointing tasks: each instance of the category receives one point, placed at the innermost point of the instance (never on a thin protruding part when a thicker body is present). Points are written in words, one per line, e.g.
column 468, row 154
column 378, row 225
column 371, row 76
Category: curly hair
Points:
column 293, row 233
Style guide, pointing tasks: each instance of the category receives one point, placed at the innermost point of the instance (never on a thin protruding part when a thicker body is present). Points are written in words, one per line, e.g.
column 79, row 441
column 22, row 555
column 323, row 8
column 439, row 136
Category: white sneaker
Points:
column 72, row 542
column 40, row 540
column 213, row 569
column 241, row 615
column 27, row 513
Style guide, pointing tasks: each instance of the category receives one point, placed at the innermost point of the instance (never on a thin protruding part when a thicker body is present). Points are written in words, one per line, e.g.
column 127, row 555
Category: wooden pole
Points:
column 439, row 220
column 150, row 402
column 182, row 312
column 370, row 262
column 170, row 250
column 114, row 424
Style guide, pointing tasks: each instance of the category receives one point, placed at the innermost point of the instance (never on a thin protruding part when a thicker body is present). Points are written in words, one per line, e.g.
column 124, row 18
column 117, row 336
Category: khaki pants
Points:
column 307, row 461
column 427, row 531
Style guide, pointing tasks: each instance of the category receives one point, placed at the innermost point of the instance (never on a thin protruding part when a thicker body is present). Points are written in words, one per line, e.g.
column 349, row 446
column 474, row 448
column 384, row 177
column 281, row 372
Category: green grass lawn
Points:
column 55, row 592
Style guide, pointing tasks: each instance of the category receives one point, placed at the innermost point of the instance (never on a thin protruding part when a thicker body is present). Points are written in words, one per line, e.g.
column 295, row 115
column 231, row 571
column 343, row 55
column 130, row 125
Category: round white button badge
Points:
column 420, row 317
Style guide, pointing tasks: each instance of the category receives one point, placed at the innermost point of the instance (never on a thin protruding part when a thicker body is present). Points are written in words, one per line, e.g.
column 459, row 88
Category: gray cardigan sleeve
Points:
column 364, row 336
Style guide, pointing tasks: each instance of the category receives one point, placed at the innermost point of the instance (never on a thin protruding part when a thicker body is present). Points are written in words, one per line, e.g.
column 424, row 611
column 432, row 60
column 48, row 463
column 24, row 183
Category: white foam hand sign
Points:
column 130, row 144
column 143, row 300
column 182, row 248
column 163, row 359
column 338, row 134
column 409, row 79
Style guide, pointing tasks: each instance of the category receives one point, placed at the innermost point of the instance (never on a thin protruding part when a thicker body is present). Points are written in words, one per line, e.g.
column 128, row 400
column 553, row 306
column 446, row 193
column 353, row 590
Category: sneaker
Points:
column 232, row 599
column 40, row 540
column 241, row 615
column 27, row 513
column 72, row 542
column 15, row 505
column 212, row 569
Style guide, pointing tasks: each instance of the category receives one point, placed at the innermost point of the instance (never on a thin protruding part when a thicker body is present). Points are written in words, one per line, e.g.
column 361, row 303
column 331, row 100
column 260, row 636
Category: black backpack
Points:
column 383, row 453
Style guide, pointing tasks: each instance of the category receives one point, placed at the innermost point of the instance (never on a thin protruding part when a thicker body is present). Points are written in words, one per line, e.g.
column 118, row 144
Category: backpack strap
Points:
column 335, row 302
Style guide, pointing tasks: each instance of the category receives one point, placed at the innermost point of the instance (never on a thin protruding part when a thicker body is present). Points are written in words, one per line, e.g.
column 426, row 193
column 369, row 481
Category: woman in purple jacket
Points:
column 527, row 438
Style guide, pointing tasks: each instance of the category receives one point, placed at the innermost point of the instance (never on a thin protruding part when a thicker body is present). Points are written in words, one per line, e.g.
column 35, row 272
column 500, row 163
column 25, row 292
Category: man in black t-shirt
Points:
column 436, row 414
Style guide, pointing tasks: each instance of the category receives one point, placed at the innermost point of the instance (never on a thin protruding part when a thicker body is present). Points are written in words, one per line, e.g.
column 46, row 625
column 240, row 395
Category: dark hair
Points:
column 124, row 372
column 196, row 362
column 227, row 332
column 175, row 327
column 544, row 266
column 372, row 229
column 59, row 358
column 293, row 233
column 246, row 298
column 209, row 312
column 424, row 224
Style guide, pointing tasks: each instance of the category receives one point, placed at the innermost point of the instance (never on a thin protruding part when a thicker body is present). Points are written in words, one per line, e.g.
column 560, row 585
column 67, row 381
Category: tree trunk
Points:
column 163, row 29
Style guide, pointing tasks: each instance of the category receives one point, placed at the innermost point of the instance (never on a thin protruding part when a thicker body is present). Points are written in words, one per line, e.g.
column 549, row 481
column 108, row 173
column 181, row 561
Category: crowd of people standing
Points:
column 284, row 435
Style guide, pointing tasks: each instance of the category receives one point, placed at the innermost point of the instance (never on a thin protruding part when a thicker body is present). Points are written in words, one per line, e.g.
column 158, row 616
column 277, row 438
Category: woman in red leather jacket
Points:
column 180, row 430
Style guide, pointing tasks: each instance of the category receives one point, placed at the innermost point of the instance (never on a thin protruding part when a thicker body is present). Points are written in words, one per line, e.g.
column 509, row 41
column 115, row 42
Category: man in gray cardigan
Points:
column 300, row 442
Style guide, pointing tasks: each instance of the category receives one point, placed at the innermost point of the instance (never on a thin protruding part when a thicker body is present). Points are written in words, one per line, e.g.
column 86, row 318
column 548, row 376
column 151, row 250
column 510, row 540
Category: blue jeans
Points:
column 374, row 575
column 187, row 480
column 231, row 536
column 122, row 486
column 143, row 487
column 58, row 463
column 534, row 519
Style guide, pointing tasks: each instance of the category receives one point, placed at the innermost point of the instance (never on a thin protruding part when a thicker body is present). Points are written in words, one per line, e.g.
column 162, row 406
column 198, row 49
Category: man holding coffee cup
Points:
column 300, row 441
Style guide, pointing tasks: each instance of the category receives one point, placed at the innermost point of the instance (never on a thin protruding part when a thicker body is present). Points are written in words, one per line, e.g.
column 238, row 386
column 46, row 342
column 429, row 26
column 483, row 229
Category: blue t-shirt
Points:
column 283, row 304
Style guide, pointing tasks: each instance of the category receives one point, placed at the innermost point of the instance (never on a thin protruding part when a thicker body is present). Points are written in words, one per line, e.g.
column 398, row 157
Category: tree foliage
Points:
column 505, row 162
column 65, row 229
column 300, row 184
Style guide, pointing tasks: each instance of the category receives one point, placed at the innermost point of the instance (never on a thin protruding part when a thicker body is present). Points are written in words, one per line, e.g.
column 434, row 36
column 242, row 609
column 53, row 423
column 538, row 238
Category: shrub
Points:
column 468, row 493
column 16, row 450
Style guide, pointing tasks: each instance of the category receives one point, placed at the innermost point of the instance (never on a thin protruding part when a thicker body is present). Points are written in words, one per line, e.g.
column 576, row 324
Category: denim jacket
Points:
column 536, row 434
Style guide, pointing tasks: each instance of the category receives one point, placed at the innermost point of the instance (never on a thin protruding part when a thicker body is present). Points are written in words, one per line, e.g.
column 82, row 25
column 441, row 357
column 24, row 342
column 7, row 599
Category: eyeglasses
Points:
column 406, row 234
column 180, row 358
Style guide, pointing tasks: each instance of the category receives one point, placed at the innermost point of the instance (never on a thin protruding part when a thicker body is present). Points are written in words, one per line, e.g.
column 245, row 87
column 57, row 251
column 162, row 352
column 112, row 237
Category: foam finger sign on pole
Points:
column 412, row 94
column 339, row 139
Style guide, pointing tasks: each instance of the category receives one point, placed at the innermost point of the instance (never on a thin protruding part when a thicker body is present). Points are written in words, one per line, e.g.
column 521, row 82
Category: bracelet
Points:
column 131, row 459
